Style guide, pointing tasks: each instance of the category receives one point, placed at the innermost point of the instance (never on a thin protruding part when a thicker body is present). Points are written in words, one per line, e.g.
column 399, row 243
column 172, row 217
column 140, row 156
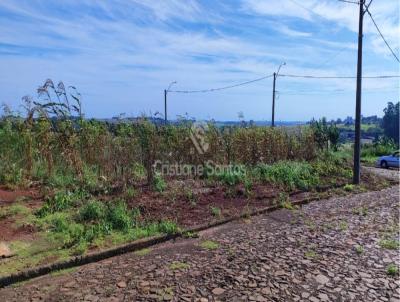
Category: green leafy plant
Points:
column 93, row 210
column 290, row 174
column 215, row 211
column 349, row 187
column 392, row 270
column 159, row 183
column 119, row 216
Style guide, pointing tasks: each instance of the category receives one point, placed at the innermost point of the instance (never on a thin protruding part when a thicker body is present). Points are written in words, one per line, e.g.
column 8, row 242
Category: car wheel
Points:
column 384, row 164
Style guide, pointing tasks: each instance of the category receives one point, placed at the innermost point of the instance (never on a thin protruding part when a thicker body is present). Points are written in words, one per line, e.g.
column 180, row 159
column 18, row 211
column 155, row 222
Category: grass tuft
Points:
column 209, row 245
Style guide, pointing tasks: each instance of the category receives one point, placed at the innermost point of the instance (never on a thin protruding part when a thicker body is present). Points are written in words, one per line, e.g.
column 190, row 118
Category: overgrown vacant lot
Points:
column 71, row 185
column 337, row 249
column 42, row 227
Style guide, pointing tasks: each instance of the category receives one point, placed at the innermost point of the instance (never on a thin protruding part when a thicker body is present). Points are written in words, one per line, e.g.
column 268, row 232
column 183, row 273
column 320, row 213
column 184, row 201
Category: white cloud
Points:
column 277, row 8
column 344, row 15
column 131, row 51
column 292, row 33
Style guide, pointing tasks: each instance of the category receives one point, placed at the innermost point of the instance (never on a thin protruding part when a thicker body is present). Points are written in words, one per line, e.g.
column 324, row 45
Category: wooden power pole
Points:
column 165, row 106
column 273, row 101
column 357, row 138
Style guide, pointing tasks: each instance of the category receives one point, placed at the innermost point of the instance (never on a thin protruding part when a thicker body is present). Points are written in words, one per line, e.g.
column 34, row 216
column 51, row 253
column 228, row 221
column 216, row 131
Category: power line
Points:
column 222, row 88
column 283, row 75
column 338, row 77
column 380, row 33
column 329, row 60
column 367, row 6
column 335, row 92
column 348, row 1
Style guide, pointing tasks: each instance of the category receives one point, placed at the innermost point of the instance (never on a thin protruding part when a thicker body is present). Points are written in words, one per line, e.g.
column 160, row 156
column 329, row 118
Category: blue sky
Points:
column 121, row 54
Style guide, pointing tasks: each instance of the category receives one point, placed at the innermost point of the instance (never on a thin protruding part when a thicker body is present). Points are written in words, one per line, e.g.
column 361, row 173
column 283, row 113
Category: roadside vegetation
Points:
column 99, row 188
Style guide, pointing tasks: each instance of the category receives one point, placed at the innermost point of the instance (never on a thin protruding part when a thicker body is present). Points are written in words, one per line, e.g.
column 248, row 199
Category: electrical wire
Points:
column 380, row 33
column 335, row 92
column 222, row 88
column 367, row 6
column 337, row 77
column 283, row 75
column 348, row 1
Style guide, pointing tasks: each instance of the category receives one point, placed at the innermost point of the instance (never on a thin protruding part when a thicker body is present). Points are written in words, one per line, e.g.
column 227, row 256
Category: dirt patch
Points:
column 11, row 196
column 9, row 232
column 216, row 202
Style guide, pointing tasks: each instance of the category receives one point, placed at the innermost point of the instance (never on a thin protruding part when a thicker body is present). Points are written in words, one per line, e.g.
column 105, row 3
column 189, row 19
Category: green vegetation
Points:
column 215, row 211
column 349, row 187
column 326, row 134
column 88, row 169
column 359, row 249
column 190, row 235
column 392, row 269
column 343, row 226
column 370, row 152
column 209, row 245
column 13, row 210
column 70, row 228
column 176, row 265
column 53, row 144
column 159, row 183
column 289, row 174
column 284, row 201
column 310, row 254
column 143, row 252
column 390, row 244
column 390, row 122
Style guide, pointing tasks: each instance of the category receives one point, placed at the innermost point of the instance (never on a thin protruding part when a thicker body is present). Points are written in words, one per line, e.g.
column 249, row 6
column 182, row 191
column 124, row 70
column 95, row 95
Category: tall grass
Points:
column 55, row 145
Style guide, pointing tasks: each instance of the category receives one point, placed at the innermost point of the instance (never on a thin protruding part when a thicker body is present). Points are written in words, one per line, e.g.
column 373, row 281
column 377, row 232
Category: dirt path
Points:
column 328, row 250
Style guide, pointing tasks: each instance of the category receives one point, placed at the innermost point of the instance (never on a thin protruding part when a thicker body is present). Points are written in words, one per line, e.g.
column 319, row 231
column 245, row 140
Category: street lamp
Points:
column 165, row 100
column 273, row 94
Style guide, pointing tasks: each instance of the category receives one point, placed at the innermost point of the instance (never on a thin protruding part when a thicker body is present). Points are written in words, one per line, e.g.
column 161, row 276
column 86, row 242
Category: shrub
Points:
column 168, row 227
column 232, row 177
column 290, row 174
column 61, row 200
column 130, row 193
column 118, row 216
column 93, row 210
column 349, row 187
column 378, row 148
column 159, row 183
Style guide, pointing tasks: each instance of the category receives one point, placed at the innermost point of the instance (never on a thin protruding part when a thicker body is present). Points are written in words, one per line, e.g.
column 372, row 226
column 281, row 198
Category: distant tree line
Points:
column 390, row 122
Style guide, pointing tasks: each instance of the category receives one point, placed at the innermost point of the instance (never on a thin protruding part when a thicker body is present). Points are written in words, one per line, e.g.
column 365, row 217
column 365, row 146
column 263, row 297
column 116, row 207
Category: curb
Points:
column 138, row 244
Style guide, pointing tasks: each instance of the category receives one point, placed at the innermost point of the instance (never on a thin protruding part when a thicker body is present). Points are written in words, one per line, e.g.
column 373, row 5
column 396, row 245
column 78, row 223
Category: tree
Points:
column 325, row 133
column 390, row 122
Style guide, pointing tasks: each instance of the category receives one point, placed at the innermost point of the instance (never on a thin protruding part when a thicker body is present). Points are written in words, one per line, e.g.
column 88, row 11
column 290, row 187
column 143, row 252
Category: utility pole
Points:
column 165, row 106
column 273, row 94
column 273, row 102
column 165, row 101
column 357, row 138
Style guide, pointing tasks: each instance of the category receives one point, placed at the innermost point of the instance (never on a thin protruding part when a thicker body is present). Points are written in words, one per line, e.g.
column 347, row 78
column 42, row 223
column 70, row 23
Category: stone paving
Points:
column 329, row 250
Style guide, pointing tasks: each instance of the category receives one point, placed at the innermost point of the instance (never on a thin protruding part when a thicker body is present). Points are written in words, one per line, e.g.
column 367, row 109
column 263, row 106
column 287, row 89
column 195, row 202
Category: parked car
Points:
column 387, row 161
